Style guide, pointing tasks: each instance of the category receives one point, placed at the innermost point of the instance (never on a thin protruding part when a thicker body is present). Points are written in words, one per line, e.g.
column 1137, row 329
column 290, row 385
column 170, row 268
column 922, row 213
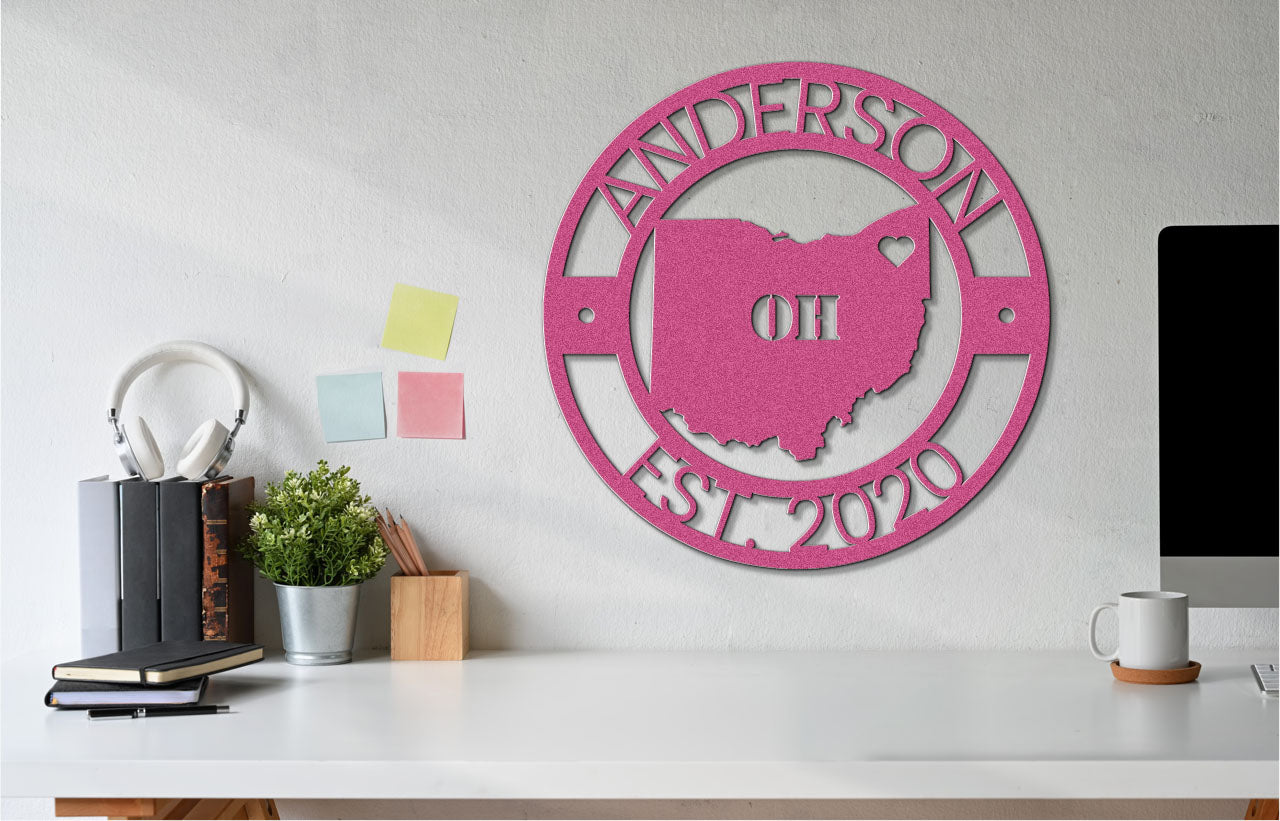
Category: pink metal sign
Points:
column 757, row 336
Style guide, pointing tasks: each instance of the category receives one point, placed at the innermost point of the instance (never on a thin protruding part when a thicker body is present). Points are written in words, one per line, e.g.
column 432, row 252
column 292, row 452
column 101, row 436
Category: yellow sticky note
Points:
column 420, row 321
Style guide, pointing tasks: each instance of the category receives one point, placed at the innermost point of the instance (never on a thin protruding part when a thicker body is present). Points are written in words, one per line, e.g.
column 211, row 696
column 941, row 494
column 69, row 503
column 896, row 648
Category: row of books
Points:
column 158, row 562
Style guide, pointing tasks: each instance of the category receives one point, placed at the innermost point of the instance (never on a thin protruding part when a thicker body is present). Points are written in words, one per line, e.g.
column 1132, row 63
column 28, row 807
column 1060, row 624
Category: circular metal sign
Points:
column 757, row 336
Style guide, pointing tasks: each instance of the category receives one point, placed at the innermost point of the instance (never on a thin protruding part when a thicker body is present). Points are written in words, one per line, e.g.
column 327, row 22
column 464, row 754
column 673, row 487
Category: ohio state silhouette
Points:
column 841, row 318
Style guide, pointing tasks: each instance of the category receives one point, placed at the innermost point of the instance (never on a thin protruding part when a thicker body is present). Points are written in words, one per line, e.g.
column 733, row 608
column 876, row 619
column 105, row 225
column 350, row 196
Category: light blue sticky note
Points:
column 351, row 406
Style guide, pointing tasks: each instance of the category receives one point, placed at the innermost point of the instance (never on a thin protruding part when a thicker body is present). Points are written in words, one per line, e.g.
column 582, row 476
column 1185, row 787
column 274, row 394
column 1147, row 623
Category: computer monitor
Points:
column 1218, row 413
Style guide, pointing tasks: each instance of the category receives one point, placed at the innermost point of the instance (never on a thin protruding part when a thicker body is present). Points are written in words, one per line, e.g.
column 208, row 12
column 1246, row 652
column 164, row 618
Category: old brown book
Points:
column 227, row 583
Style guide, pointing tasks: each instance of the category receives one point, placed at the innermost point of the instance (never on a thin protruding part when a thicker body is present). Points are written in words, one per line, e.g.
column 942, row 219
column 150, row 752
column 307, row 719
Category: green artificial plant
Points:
column 315, row 531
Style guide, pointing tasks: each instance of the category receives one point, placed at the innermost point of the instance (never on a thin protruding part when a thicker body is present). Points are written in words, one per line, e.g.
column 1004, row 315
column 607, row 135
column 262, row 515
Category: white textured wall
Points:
column 259, row 175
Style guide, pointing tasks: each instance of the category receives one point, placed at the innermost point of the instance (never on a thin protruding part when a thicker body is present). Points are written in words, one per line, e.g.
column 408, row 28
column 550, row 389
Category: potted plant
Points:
column 316, row 538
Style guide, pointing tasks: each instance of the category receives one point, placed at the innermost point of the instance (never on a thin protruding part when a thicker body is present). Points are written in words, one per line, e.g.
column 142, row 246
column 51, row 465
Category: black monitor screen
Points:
column 1218, row 392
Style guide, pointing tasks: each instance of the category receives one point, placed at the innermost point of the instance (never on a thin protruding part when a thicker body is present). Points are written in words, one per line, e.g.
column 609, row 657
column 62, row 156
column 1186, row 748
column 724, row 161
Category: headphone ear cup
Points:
column 202, row 449
column 145, row 450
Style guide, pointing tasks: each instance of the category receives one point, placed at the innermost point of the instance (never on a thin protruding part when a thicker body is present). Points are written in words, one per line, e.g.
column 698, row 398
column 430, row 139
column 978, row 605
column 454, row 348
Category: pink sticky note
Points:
column 429, row 406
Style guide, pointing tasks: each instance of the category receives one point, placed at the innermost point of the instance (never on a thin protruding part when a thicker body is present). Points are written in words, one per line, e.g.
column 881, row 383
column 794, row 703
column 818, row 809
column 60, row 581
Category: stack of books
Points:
column 158, row 562
column 164, row 673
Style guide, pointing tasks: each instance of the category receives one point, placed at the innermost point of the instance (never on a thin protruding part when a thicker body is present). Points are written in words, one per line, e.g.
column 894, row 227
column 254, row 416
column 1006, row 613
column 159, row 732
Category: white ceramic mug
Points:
column 1153, row 631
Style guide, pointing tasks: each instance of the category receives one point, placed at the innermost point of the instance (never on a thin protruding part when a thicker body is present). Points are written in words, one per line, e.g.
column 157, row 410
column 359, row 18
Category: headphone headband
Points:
column 181, row 351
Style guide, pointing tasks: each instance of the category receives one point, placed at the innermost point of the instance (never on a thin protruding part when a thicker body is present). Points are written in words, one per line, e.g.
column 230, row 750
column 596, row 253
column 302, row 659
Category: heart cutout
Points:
column 897, row 249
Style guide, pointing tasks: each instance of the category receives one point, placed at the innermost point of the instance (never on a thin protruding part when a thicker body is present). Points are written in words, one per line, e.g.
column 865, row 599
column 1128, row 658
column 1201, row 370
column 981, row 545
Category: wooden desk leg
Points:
column 146, row 809
column 110, row 807
column 1260, row 808
column 261, row 808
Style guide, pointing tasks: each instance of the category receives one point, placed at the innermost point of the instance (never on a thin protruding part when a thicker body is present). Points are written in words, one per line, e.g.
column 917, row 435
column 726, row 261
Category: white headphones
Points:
column 209, row 448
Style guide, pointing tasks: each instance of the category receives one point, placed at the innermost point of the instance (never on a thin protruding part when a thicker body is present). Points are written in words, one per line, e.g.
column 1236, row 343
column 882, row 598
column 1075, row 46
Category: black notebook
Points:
column 161, row 663
column 82, row 695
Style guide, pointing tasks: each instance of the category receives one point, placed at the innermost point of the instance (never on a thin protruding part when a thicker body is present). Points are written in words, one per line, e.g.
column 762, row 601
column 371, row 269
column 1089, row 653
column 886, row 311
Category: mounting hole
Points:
column 586, row 315
column 1006, row 315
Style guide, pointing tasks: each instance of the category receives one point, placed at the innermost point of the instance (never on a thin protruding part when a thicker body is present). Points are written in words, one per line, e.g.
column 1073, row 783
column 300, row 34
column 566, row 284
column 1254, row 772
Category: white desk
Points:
column 667, row 725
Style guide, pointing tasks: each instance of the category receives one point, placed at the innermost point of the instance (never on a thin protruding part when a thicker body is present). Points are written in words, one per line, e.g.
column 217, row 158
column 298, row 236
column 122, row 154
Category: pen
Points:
column 145, row 712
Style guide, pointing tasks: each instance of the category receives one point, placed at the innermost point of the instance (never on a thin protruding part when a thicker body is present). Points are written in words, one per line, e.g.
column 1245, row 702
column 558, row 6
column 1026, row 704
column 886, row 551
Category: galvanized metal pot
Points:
column 318, row 624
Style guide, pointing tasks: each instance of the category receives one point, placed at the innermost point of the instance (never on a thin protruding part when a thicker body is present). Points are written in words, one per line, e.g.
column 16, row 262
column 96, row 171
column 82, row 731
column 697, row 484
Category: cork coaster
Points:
column 1180, row 676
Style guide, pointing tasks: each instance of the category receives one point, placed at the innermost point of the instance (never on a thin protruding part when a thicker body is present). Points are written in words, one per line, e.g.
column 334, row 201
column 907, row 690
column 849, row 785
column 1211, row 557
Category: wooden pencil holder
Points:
column 430, row 616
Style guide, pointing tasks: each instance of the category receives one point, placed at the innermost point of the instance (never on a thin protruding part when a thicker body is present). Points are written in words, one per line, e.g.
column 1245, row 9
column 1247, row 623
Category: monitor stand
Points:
column 1222, row 581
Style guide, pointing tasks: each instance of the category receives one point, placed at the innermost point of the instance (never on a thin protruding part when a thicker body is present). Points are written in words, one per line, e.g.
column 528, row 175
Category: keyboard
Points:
column 1268, row 678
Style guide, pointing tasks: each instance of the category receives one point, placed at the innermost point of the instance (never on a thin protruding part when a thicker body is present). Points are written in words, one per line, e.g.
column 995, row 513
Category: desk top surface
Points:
column 669, row 725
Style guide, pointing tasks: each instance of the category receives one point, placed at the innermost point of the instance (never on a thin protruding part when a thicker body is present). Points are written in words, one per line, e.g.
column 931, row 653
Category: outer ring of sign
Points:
column 745, row 484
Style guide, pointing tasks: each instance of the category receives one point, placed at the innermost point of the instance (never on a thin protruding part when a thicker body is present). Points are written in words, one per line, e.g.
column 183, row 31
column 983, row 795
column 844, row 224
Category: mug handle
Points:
column 1093, row 633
